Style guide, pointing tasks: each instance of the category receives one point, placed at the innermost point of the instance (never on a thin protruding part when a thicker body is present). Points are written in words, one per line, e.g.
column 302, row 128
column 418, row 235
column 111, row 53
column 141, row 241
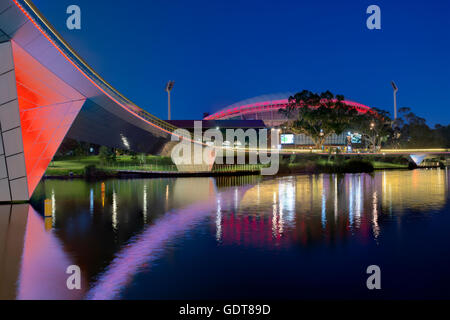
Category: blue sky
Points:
column 220, row 52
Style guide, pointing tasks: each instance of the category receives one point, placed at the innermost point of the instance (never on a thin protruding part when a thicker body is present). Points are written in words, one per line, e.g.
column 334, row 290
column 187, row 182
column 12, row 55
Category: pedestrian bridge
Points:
column 48, row 92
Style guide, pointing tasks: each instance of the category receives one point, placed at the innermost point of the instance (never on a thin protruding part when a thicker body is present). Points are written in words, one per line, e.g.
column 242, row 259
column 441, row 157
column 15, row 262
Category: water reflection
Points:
column 33, row 260
column 330, row 208
column 115, row 230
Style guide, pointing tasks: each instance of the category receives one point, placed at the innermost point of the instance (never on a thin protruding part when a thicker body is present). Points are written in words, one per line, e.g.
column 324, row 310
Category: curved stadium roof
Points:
column 264, row 103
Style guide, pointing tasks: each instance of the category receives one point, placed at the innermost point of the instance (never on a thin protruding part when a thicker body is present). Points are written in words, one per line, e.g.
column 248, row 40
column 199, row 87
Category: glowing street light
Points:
column 169, row 87
column 394, row 86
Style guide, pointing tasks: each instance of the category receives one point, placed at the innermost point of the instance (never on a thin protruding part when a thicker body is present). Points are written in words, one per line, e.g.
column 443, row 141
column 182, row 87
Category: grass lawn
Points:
column 77, row 165
column 388, row 165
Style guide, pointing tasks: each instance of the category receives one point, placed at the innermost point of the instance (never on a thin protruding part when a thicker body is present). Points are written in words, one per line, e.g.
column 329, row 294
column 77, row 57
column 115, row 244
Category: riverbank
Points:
column 92, row 167
column 341, row 166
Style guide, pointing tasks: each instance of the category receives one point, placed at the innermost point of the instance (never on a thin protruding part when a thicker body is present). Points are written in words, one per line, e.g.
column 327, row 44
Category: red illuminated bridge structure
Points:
column 47, row 92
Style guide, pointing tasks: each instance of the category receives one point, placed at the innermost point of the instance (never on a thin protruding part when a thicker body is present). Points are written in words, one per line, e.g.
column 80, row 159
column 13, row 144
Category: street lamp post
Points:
column 394, row 86
column 169, row 87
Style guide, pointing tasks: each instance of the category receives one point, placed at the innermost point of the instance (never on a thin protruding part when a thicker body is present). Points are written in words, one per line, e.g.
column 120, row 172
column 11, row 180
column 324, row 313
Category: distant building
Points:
column 266, row 108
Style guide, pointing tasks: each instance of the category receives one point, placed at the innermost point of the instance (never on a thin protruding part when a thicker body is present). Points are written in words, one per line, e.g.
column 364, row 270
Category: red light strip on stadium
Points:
column 269, row 106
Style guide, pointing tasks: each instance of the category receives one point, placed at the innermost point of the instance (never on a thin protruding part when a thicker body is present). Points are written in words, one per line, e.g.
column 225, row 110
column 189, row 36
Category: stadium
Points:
column 266, row 108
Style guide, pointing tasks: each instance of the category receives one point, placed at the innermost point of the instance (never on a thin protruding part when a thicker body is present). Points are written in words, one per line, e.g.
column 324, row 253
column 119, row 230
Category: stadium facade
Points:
column 267, row 108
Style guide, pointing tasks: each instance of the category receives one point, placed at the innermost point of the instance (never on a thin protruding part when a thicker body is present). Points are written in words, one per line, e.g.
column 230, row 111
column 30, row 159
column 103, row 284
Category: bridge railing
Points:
column 75, row 59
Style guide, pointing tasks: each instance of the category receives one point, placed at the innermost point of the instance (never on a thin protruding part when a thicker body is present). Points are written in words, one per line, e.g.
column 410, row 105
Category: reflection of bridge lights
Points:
column 144, row 204
column 274, row 220
column 167, row 198
column 286, row 192
column 324, row 209
column 281, row 222
column 277, row 215
column 350, row 203
column 335, row 198
column 103, row 194
column 53, row 208
column 359, row 201
column 219, row 221
column 91, row 201
column 114, row 211
column 376, row 227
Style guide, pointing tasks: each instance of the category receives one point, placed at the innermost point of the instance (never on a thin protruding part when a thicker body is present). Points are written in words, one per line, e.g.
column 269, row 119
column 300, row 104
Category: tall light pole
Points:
column 169, row 87
column 394, row 86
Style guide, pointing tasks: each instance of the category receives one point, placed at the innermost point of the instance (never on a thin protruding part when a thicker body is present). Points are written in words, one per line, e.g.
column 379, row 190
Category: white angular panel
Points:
column 6, row 59
column 3, row 171
column 12, row 140
column 5, row 195
column 5, row 5
column 1, row 146
column 26, row 34
column 3, row 37
column 11, row 20
column 8, row 91
column 19, row 190
column 9, row 116
column 16, row 166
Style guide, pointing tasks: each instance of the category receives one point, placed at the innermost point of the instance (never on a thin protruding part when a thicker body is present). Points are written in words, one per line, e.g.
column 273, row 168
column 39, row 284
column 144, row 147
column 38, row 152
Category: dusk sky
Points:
column 221, row 52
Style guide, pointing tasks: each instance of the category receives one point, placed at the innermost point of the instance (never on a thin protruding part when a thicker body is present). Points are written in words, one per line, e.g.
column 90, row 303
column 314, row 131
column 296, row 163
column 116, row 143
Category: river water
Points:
column 293, row 237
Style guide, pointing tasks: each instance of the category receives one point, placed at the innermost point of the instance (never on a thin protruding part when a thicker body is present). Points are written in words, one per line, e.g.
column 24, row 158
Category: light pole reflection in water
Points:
column 219, row 220
column 335, row 197
column 376, row 227
column 114, row 211
column 91, row 201
column 144, row 204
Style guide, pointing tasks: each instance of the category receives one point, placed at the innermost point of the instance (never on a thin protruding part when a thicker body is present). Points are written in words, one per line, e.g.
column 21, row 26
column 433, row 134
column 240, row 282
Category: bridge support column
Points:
column 36, row 110
column 13, row 176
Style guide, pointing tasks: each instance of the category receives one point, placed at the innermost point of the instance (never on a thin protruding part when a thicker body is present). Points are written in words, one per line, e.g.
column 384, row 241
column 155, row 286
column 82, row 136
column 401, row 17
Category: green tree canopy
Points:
column 375, row 127
column 319, row 115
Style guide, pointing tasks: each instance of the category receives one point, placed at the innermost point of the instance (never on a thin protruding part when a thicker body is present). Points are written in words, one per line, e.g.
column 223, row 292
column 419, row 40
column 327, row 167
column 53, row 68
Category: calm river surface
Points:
column 308, row 236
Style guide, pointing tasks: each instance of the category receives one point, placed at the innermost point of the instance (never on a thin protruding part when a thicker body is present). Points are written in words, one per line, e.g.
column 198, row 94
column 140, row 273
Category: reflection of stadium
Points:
column 267, row 108
column 311, row 209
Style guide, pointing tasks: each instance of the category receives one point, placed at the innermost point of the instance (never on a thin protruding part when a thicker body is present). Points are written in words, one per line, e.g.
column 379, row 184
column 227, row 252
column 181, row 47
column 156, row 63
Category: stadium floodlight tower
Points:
column 169, row 87
column 394, row 86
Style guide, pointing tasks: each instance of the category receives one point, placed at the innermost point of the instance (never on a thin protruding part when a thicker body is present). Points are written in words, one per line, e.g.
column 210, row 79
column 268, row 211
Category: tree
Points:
column 319, row 115
column 106, row 155
column 375, row 127
column 414, row 131
column 443, row 135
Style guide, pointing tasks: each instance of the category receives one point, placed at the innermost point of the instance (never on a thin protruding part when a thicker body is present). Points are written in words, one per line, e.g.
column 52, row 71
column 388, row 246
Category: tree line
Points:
column 320, row 115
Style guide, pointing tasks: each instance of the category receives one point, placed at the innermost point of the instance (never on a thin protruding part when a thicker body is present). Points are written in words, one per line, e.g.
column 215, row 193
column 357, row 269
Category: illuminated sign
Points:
column 287, row 139
column 356, row 138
